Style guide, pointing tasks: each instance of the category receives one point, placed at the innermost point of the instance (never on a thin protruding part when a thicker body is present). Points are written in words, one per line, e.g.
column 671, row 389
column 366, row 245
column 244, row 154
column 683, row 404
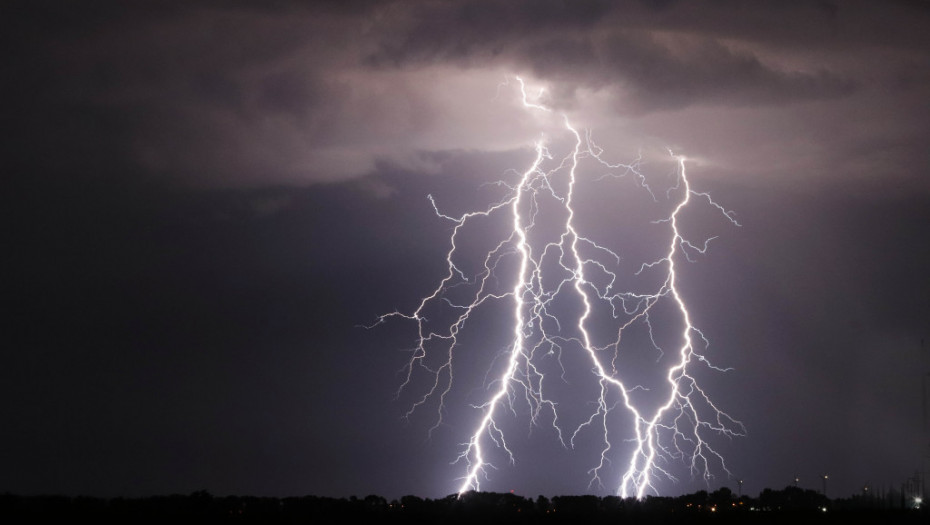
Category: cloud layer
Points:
column 217, row 93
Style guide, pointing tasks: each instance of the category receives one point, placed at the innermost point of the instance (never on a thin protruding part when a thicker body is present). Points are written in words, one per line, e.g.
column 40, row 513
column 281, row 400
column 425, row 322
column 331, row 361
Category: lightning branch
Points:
column 647, row 440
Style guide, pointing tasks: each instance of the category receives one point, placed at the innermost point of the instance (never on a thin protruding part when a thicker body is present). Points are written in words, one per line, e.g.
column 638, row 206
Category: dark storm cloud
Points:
column 651, row 76
column 200, row 91
column 661, row 65
column 236, row 93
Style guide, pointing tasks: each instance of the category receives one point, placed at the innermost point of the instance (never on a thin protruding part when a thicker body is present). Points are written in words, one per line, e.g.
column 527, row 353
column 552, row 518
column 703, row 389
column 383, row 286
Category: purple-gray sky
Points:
column 205, row 199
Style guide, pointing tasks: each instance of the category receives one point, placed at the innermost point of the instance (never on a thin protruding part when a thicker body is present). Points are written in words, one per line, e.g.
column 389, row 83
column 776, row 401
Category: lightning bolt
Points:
column 552, row 268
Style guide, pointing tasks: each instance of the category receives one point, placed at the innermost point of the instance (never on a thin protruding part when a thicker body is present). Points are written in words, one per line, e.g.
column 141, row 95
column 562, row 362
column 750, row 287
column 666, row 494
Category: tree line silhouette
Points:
column 719, row 506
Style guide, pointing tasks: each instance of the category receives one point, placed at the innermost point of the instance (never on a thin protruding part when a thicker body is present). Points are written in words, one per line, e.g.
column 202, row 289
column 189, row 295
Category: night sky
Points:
column 205, row 202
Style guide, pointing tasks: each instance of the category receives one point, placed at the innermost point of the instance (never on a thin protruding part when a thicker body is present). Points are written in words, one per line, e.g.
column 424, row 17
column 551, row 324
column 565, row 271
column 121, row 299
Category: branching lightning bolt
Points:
column 676, row 429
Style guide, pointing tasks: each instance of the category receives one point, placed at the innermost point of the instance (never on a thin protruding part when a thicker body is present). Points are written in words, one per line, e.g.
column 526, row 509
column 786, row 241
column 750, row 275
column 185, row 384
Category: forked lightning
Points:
column 648, row 438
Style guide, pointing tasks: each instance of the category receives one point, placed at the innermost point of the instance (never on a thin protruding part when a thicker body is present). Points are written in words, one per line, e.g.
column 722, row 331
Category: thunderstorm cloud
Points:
column 233, row 94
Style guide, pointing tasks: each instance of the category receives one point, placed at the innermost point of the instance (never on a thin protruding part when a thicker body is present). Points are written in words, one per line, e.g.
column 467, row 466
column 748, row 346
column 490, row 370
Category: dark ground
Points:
column 721, row 506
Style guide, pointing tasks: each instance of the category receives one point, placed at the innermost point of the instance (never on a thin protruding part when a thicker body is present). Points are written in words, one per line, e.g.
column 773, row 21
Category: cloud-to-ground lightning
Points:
column 550, row 264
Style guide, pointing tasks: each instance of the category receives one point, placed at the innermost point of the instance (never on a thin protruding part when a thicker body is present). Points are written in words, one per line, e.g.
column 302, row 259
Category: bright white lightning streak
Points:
column 674, row 430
